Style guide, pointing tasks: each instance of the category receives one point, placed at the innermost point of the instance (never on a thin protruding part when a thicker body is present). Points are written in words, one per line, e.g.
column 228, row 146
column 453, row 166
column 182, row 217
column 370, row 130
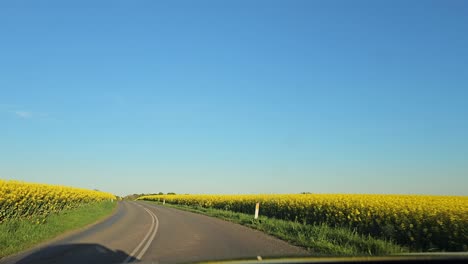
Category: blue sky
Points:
column 236, row 96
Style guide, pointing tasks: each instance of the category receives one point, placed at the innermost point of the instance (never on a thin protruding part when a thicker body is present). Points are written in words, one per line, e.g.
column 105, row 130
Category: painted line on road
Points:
column 132, row 255
column 152, row 231
column 148, row 243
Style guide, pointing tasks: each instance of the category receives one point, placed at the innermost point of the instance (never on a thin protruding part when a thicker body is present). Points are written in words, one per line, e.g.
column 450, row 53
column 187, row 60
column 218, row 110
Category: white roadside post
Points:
column 257, row 208
column 164, row 201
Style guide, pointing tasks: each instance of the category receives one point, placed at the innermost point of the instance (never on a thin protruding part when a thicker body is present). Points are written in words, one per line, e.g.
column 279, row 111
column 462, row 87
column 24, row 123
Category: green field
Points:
column 19, row 234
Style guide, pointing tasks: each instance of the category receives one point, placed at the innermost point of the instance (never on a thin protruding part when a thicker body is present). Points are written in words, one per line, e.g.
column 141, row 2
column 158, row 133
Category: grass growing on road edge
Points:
column 318, row 239
column 17, row 235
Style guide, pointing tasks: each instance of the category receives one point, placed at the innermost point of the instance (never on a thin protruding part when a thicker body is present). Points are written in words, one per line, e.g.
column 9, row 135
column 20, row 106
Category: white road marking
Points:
column 152, row 231
column 148, row 243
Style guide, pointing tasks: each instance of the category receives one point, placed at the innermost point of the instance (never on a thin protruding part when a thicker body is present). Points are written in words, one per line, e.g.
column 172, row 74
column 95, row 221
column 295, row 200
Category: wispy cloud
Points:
column 24, row 114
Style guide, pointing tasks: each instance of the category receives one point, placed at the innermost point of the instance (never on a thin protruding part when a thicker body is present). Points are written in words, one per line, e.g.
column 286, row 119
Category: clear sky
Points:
column 236, row 96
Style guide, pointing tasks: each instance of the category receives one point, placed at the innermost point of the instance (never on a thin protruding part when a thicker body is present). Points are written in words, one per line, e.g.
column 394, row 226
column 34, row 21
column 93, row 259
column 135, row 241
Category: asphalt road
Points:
column 148, row 233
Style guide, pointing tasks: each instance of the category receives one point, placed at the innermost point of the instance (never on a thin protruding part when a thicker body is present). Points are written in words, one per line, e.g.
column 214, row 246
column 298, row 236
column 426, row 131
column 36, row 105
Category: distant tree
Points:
column 132, row 196
column 160, row 193
column 171, row 193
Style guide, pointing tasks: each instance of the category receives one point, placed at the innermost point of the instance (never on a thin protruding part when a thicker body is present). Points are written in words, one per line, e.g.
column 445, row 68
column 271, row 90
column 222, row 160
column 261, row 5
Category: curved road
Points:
column 148, row 233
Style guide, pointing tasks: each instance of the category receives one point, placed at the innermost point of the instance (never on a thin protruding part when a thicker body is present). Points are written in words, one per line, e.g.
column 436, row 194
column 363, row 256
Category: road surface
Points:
column 147, row 233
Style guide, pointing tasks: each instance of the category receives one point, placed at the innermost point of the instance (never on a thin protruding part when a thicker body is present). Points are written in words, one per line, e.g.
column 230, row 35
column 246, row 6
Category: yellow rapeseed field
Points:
column 29, row 200
column 419, row 221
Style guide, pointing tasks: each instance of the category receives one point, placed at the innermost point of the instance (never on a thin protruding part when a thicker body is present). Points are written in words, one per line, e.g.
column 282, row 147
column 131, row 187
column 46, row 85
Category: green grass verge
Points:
column 318, row 239
column 17, row 235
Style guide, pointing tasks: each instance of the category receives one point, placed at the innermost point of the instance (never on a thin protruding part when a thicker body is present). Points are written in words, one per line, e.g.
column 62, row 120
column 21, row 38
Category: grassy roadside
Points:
column 320, row 240
column 17, row 235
